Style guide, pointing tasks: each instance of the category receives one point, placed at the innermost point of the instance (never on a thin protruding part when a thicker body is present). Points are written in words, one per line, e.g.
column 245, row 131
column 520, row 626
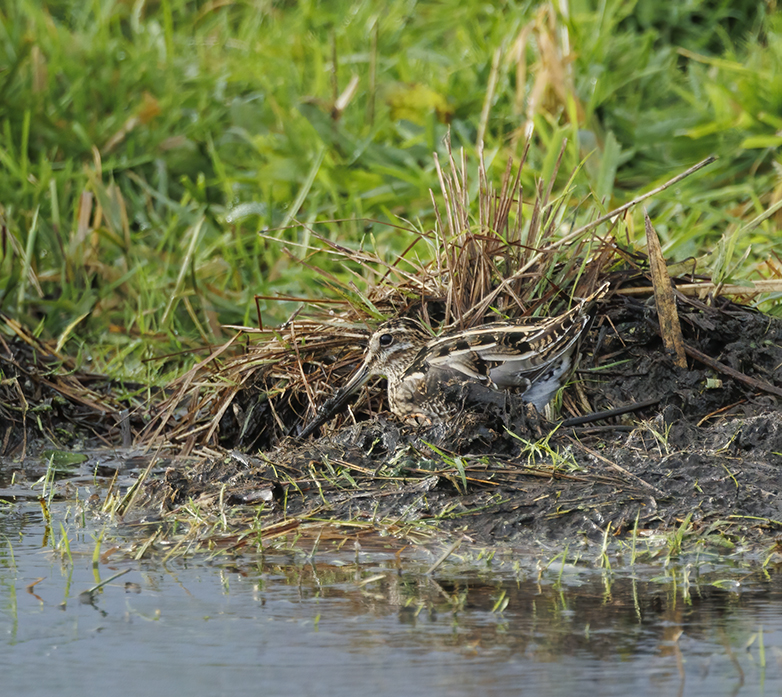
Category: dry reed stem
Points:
column 664, row 298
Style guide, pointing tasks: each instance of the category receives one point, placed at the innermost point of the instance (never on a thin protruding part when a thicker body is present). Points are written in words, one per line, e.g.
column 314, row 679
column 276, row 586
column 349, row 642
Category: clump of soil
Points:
column 45, row 400
column 705, row 443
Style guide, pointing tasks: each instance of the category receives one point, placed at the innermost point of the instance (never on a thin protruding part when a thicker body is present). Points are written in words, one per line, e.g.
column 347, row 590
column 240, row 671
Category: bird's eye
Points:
column 386, row 340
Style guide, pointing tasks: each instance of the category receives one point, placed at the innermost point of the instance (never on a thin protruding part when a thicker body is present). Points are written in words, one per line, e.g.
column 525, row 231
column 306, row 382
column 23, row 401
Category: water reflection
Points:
column 342, row 622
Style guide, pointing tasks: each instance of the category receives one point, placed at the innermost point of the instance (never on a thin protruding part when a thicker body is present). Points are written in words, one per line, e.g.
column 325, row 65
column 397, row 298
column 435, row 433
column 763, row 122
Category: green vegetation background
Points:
column 144, row 144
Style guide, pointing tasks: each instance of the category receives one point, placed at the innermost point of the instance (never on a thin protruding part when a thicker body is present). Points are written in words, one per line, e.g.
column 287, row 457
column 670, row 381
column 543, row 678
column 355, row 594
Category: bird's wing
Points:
column 509, row 354
column 505, row 353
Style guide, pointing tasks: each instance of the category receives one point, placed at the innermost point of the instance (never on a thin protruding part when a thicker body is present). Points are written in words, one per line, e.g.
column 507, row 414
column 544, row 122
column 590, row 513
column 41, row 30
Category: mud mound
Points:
column 705, row 445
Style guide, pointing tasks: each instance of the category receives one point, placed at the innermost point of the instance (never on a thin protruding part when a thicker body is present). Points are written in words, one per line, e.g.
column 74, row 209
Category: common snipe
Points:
column 533, row 356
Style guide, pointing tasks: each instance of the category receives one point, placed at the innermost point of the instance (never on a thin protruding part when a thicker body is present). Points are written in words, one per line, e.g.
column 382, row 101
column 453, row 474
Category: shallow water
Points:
column 370, row 621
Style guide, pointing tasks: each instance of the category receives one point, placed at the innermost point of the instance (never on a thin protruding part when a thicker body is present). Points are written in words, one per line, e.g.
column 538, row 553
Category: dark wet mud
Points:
column 706, row 448
column 47, row 402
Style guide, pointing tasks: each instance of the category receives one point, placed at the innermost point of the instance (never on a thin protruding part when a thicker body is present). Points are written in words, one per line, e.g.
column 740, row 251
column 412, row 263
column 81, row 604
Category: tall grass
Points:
column 143, row 146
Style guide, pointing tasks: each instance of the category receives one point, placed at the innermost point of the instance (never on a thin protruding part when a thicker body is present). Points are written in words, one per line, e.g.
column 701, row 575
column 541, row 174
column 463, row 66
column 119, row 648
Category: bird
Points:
column 532, row 356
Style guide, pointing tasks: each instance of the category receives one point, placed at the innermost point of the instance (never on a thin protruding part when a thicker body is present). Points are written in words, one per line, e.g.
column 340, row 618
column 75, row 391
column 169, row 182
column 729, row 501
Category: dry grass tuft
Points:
column 516, row 258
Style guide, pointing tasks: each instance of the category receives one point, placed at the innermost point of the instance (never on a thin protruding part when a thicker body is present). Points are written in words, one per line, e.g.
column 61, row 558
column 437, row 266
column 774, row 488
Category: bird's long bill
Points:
column 333, row 405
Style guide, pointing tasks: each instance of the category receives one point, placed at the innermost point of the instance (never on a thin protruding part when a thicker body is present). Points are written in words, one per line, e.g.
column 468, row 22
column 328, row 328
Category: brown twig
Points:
column 600, row 415
column 754, row 383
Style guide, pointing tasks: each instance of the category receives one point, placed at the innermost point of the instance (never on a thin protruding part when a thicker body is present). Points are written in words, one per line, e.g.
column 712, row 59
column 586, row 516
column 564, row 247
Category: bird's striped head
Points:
column 393, row 347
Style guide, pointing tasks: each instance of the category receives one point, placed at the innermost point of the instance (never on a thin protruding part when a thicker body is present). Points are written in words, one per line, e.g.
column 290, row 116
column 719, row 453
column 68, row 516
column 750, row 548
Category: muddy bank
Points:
column 706, row 447
column 726, row 476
